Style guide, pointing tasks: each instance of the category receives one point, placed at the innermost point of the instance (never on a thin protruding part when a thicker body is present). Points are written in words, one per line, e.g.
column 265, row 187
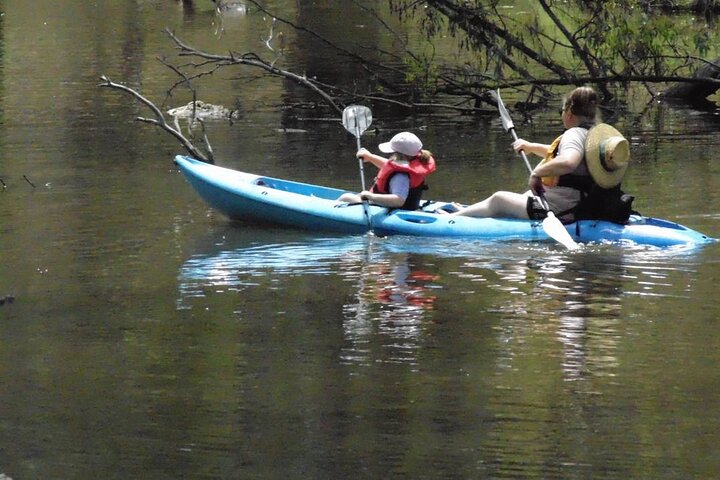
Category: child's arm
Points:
column 376, row 160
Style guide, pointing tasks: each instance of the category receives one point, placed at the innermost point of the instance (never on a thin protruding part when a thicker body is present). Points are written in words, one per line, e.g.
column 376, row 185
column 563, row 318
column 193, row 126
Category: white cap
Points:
column 404, row 142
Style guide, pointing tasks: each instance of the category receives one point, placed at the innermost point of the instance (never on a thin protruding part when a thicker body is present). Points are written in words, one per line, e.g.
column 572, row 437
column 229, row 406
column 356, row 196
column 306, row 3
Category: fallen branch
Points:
column 707, row 82
column 161, row 122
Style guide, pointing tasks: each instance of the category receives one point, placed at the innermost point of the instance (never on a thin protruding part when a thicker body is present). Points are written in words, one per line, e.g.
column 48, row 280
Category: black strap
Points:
column 584, row 183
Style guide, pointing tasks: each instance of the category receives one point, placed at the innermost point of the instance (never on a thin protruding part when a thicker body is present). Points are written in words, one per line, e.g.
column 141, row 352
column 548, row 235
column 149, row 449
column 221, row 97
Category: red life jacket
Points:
column 417, row 171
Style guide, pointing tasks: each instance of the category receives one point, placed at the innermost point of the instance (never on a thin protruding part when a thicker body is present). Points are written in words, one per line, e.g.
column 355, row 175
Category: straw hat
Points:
column 607, row 154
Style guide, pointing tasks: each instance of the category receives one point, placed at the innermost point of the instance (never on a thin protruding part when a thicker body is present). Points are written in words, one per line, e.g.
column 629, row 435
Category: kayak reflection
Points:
column 386, row 298
column 391, row 288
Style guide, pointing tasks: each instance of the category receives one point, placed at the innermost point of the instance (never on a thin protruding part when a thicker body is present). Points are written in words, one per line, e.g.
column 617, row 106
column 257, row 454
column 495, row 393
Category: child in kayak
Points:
column 401, row 179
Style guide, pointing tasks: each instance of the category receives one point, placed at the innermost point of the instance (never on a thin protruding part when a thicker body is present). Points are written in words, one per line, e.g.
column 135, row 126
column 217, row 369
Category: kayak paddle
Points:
column 356, row 119
column 552, row 226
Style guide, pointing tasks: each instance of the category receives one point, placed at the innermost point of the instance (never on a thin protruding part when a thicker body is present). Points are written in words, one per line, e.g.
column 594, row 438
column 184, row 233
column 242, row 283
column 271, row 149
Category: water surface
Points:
column 150, row 337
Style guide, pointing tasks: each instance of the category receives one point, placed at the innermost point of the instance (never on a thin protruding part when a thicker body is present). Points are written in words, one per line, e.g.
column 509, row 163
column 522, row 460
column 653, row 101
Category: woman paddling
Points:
column 401, row 179
column 567, row 173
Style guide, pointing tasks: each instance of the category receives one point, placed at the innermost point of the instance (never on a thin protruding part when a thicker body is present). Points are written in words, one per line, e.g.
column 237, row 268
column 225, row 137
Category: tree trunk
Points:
column 705, row 6
column 697, row 91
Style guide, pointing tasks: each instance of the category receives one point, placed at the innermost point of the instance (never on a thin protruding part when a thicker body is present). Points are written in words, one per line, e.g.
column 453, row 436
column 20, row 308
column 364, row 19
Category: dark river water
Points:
column 144, row 336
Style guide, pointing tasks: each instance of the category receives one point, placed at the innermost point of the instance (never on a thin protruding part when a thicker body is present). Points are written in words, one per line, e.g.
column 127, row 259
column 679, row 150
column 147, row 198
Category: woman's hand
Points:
column 521, row 144
column 536, row 185
column 538, row 149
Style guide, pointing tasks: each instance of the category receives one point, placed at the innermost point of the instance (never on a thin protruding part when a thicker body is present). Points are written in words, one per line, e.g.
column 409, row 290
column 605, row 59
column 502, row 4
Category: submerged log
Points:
column 695, row 92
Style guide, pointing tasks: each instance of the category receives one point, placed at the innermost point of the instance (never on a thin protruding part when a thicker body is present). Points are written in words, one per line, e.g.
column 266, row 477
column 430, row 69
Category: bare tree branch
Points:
column 159, row 119
column 253, row 60
column 464, row 18
column 585, row 56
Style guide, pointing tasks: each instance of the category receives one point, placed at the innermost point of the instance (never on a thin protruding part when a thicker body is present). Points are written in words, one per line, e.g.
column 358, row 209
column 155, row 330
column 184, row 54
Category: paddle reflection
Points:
column 579, row 299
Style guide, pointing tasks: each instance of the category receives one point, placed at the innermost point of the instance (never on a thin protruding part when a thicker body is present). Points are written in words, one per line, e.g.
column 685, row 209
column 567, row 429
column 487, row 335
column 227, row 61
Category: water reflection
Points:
column 588, row 319
column 389, row 287
column 389, row 309
column 383, row 319
column 237, row 269
column 577, row 298
column 227, row 15
column 520, row 346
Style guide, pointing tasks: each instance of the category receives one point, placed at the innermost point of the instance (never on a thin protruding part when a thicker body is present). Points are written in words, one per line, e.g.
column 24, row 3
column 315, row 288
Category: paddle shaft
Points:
column 358, row 133
column 543, row 202
column 362, row 178
column 360, row 160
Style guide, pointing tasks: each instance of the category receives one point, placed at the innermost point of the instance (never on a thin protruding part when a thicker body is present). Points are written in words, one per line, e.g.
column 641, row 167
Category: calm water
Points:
column 151, row 338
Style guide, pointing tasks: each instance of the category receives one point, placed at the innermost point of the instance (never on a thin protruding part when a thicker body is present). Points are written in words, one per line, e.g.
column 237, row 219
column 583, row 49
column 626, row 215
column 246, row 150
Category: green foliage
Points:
column 631, row 40
column 422, row 73
column 546, row 42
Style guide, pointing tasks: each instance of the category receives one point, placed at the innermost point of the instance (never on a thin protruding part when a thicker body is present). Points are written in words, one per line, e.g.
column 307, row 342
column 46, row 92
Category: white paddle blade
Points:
column 504, row 114
column 556, row 230
column 356, row 119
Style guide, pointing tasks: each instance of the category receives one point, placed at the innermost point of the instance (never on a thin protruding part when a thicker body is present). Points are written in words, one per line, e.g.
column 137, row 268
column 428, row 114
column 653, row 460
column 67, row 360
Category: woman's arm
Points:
column 570, row 155
column 564, row 163
column 538, row 149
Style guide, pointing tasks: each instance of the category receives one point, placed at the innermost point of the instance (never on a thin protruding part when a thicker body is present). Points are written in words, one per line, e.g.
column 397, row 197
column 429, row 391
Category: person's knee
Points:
column 505, row 204
column 347, row 197
column 498, row 198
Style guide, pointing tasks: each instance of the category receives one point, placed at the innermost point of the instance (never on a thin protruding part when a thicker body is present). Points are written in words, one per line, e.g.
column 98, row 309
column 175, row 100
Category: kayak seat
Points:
column 263, row 182
column 281, row 185
column 413, row 218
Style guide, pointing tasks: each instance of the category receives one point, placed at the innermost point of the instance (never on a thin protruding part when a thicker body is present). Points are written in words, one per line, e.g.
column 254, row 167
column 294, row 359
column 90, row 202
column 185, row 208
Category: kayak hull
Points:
column 249, row 197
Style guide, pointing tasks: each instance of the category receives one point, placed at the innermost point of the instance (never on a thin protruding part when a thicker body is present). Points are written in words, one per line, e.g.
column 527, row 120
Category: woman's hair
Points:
column 582, row 102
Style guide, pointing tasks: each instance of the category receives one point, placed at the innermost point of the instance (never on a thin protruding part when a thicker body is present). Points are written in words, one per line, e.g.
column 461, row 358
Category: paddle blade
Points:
column 356, row 119
column 504, row 114
column 556, row 230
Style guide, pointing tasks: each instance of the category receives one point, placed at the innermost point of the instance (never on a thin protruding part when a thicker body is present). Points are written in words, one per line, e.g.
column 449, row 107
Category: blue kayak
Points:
column 256, row 198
